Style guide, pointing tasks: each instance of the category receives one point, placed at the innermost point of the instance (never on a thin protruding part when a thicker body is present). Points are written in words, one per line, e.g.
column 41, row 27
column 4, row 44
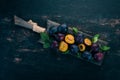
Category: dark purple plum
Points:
column 79, row 38
column 95, row 48
column 74, row 49
column 87, row 55
column 62, row 28
column 52, row 31
column 54, row 44
column 59, row 37
column 99, row 56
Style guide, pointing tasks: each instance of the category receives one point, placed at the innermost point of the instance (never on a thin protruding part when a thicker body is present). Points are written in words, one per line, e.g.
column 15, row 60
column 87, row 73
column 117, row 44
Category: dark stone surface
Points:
column 23, row 58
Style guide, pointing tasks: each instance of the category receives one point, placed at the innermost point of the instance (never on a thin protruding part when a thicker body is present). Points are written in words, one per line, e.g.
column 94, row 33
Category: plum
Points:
column 99, row 56
column 87, row 55
column 79, row 38
column 95, row 48
column 52, row 31
column 74, row 49
column 62, row 28
column 54, row 44
column 59, row 36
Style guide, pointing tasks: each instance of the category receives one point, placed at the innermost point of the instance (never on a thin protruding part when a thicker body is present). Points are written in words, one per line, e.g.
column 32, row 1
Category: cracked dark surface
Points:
column 22, row 56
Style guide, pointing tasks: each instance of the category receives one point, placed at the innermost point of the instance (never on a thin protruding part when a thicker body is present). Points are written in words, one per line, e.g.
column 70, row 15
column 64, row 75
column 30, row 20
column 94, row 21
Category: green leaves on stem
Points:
column 104, row 48
column 95, row 38
column 75, row 30
column 45, row 39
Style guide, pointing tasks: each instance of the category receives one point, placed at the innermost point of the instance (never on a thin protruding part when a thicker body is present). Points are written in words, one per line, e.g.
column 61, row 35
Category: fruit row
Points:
column 76, row 43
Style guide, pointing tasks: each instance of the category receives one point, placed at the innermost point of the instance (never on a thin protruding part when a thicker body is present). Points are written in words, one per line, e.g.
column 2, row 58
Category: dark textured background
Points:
column 35, row 63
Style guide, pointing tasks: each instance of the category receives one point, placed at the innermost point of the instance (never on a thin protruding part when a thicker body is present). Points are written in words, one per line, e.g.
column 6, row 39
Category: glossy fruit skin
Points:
column 99, row 56
column 54, row 44
column 87, row 55
column 59, row 37
column 52, row 31
column 95, row 48
column 74, row 49
column 79, row 38
column 62, row 28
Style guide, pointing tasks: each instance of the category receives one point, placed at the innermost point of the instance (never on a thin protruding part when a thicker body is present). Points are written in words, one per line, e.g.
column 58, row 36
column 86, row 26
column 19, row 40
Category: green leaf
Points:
column 45, row 40
column 46, row 45
column 44, row 36
column 95, row 38
column 75, row 29
column 105, row 48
